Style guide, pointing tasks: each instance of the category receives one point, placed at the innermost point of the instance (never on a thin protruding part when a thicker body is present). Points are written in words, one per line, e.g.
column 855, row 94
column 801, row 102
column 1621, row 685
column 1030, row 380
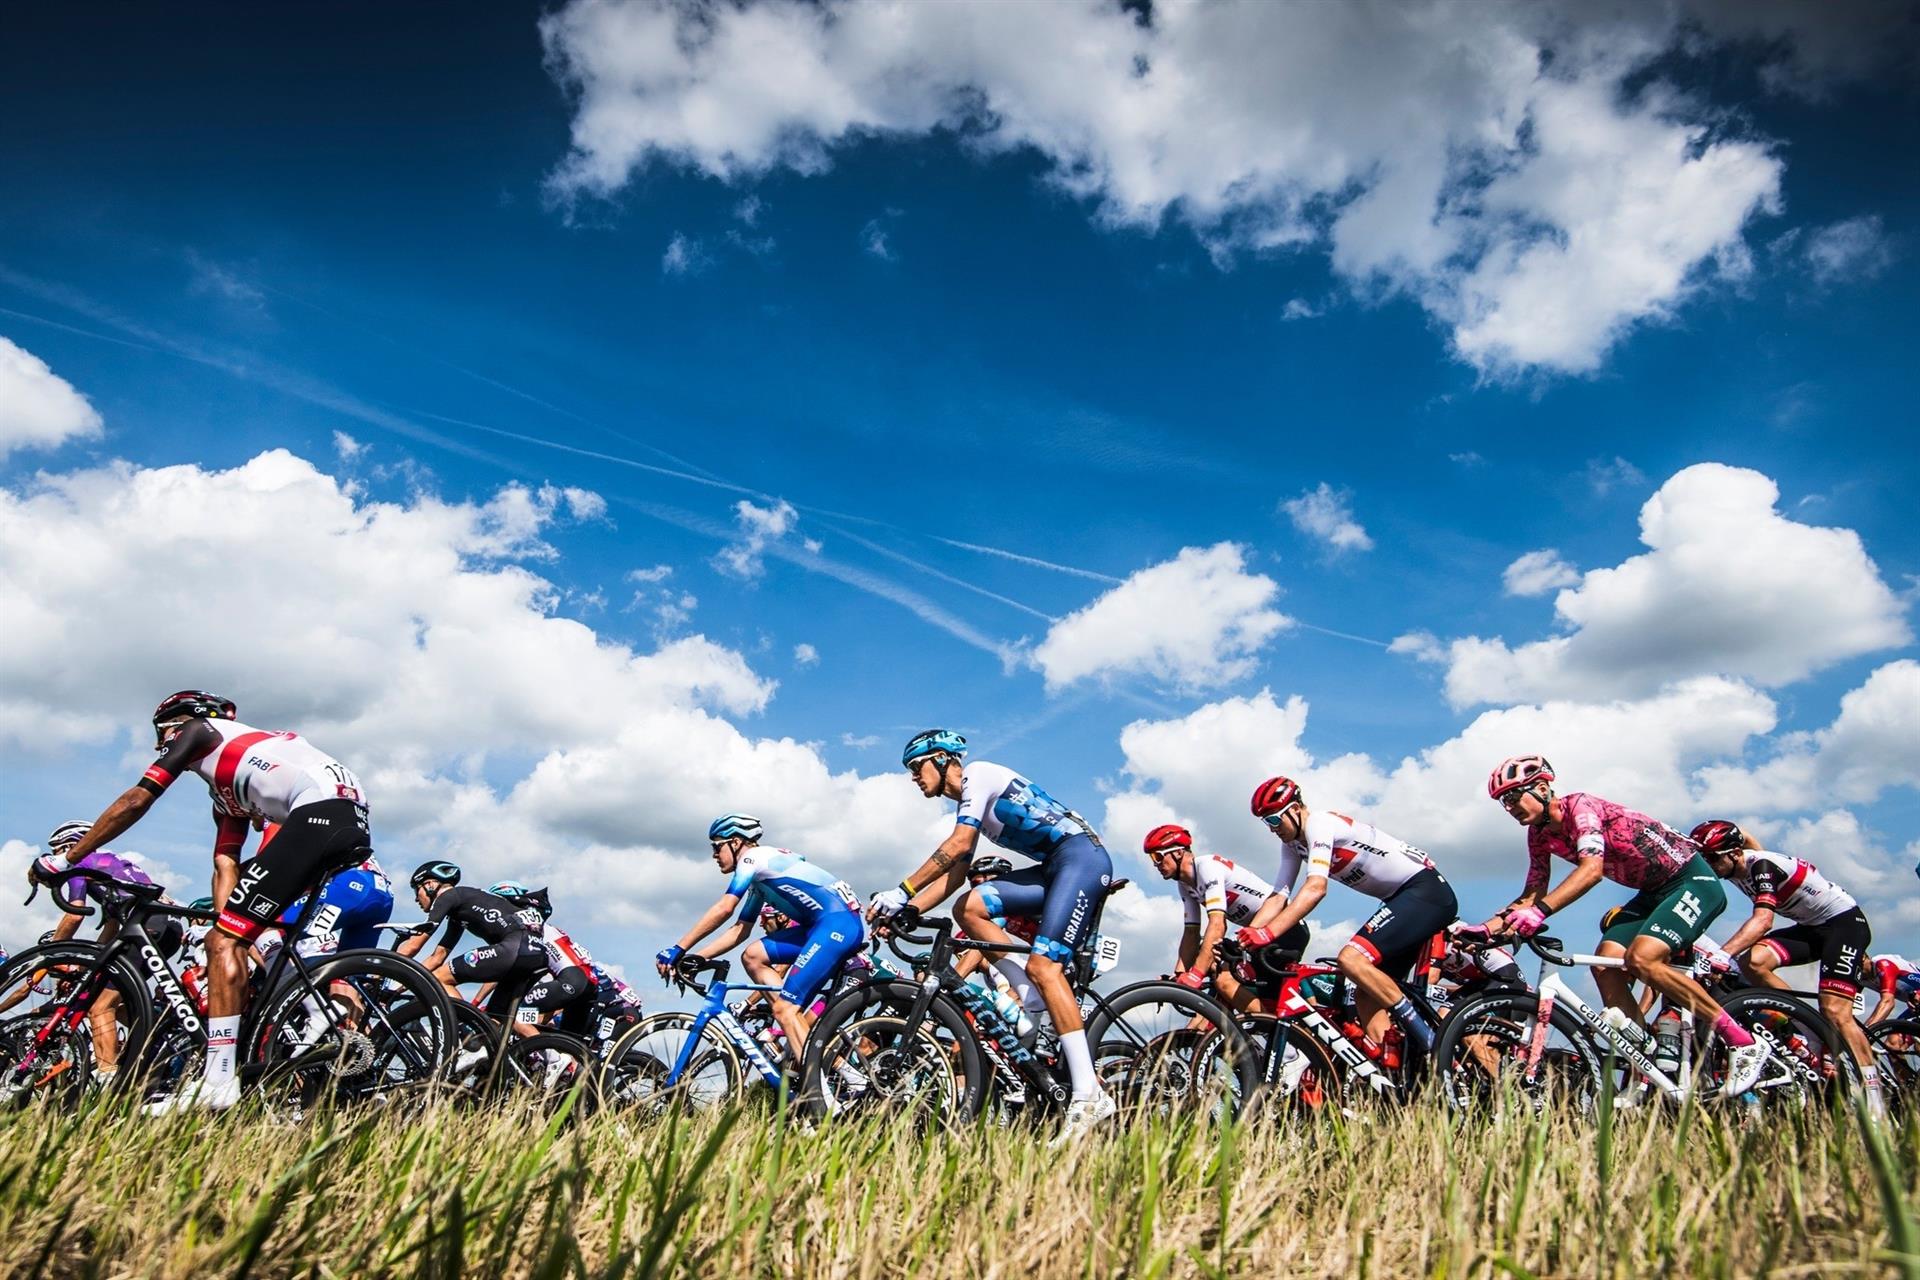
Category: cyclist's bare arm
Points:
column 226, row 874
column 726, row 940
column 716, row 915
column 1280, row 913
column 1758, row 925
column 1884, row 1009
column 1209, row 948
column 1587, row 873
column 1189, row 947
column 937, row 878
column 113, row 820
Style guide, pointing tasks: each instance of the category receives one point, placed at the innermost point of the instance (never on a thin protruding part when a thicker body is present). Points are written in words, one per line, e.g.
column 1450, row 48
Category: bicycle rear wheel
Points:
column 1166, row 1049
column 543, row 1069
column 866, row 1054
column 1487, row 1059
column 1896, row 1051
column 1306, row 1080
column 47, row 1045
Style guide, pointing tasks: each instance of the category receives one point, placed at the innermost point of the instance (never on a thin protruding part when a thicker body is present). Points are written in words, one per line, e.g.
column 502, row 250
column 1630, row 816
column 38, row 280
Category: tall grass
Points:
column 442, row 1193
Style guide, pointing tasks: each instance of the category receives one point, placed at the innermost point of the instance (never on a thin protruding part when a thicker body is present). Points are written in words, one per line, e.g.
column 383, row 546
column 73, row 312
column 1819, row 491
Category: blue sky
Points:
column 431, row 264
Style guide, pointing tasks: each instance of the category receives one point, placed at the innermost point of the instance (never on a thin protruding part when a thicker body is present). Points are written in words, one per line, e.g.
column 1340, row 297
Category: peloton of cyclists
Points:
column 1677, row 896
column 1828, row 926
column 1064, row 888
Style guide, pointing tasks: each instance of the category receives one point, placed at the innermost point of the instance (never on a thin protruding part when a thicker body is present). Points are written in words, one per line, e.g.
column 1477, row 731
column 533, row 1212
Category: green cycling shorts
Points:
column 1676, row 913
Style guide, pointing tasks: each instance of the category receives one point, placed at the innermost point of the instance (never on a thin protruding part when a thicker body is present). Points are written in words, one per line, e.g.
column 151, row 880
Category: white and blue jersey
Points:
column 781, row 879
column 1013, row 813
column 353, row 905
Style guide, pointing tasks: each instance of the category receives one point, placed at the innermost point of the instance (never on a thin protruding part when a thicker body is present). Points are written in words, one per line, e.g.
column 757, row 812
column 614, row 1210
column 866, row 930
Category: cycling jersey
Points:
column 1219, row 885
column 1013, row 813
column 1791, row 886
column 563, row 953
column 1634, row 850
column 252, row 773
column 491, row 918
column 610, row 989
column 1897, row 973
column 782, row 879
column 1357, row 854
column 353, row 905
column 76, row 890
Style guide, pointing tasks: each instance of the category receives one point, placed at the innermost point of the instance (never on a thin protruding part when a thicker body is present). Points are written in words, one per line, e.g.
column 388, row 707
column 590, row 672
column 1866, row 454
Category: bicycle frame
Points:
column 1553, row 991
column 714, row 1011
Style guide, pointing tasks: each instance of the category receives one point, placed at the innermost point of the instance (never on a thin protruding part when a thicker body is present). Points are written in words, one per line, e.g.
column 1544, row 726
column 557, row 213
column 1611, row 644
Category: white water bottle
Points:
column 1629, row 1030
column 1000, row 995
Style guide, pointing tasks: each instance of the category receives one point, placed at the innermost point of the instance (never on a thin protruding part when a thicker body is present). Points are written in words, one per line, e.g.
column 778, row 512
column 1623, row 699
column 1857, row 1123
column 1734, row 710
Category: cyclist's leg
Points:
column 982, row 910
column 1618, row 927
column 551, row 994
column 496, row 962
column 768, row 957
column 1078, row 873
column 1683, row 909
column 1783, row 948
column 1378, row 957
column 1843, row 953
column 833, row 938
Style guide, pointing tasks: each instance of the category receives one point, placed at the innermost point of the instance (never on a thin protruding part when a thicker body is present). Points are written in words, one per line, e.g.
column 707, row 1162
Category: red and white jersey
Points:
column 1357, row 854
column 1219, row 885
column 253, row 773
column 564, row 953
column 1791, row 886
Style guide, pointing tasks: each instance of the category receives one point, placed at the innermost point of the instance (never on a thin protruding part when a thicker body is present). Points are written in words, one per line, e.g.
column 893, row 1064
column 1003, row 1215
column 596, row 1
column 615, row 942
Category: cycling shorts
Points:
column 1065, row 892
column 1675, row 913
column 1398, row 933
column 823, row 947
column 501, row 961
column 569, row 993
column 352, row 909
column 315, row 840
column 1840, row 945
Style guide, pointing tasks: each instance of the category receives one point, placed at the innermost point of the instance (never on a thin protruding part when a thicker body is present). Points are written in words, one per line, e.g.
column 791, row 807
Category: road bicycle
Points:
column 1550, row 1046
column 692, row 1060
column 352, row 1026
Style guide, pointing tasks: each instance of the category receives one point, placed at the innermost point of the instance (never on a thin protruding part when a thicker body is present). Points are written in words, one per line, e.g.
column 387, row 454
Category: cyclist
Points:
column 566, row 994
column 1678, row 897
column 509, row 932
column 256, row 777
column 1064, row 890
column 1416, row 902
column 1898, row 979
column 1828, row 925
column 827, row 927
column 1213, row 891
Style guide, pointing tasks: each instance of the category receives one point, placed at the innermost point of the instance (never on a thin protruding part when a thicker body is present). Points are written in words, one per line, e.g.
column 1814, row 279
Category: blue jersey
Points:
column 1015, row 814
column 787, row 882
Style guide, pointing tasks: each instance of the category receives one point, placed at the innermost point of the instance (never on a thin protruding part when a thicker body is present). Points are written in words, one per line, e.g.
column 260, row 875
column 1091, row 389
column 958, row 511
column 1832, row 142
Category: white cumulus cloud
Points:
column 1538, row 572
column 1326, row 514
column 1193, row 622
column 38, row 408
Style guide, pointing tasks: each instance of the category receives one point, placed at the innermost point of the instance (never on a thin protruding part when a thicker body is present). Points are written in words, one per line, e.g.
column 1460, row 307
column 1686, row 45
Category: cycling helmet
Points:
column 203, row 903
column 445, row 872
column 1719, row 836
column 728, row 825
column 1274, row 797
column 933, row 742
column 773, row 920
column 1517, row 772
column 508, row 889
column 66, row 833
column 989, row 867
column 1164, row 839
column 191, row 704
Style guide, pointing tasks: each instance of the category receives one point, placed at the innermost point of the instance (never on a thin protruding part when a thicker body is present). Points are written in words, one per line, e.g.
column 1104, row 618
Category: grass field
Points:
column 444, row 1193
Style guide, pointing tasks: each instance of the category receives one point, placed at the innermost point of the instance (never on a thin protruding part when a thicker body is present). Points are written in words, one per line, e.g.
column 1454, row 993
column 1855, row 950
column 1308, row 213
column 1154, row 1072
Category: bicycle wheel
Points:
column 637, row 1066
column 1807, row 1066
column 1896, row 1051
column 1485, row 1055
column 47, row 1035
column 1305, row 1081
column 478, row 1042
column 1165, row 1048
column 384, row 1031
column 864, row 1056
column 542, row 1069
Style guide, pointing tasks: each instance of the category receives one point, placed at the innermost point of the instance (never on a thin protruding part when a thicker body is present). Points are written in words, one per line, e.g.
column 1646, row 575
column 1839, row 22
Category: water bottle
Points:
column 192, row 980
column 1004, row 1003
column 1629, row 1030
column 1666, row 1043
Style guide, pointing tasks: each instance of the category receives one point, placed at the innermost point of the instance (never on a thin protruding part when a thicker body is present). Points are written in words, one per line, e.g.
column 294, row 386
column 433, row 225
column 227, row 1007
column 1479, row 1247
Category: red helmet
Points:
column 1516, row 772
column 1719, row 836
column 1274, row 797
column 1163, row 839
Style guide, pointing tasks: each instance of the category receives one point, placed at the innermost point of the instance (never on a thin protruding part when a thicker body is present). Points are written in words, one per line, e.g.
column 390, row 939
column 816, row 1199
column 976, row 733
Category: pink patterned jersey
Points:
column 1635, row 850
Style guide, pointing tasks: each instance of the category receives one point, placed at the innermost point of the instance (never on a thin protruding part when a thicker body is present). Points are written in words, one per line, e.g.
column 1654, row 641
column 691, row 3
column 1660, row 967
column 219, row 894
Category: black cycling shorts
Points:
column 1397, row 934
column 563, row 990
column 1840, row 945
column 315, row 841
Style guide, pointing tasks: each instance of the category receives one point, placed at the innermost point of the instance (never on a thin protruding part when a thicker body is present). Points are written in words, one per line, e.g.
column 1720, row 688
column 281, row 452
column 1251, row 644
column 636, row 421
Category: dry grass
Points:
column 1419, row 1192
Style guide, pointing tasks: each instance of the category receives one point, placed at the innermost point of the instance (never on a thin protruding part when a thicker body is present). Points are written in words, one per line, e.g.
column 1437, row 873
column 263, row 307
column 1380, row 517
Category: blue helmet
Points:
column 934, row 742
column 509, row 889
column 728, row 825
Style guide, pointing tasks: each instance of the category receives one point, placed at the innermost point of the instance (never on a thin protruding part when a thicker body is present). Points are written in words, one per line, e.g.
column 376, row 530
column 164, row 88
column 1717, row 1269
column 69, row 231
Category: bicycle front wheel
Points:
column 868, row 1053
column 638, row 1072
column 1493, row 1053
column 1896, row 1051
column 61, row 1002
column 1806, row 1066
column 543, row 1069
column 1163, row 1048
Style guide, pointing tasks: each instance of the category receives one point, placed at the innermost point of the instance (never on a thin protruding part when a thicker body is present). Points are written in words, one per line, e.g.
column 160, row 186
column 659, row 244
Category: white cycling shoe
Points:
column 1744, row 1067
column 1083, row 1114
column 197, row 1095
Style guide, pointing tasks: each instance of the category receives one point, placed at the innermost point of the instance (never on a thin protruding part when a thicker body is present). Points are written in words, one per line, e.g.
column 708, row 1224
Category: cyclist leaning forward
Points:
column 826, row 929
column 1828, row 926
column 1679, row 896
column 1213, row 892
column 1416, row 902
column 256, row 777
column 1064, row 890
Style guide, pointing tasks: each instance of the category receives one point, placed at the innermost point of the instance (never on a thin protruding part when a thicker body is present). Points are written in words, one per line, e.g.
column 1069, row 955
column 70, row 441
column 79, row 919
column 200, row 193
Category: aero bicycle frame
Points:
column 714, row 1011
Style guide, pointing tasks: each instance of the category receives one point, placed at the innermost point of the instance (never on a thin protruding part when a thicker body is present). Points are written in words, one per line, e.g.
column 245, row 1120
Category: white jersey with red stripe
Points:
column 258, row 773
column 1791, row 886
column 1219, row 885
column 1357, row 854
column 564, row 953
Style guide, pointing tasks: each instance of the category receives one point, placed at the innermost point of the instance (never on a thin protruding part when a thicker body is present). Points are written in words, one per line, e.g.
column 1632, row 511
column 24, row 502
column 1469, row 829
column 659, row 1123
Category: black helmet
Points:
column 191, row 704
column 989, row 867
column 445, row 872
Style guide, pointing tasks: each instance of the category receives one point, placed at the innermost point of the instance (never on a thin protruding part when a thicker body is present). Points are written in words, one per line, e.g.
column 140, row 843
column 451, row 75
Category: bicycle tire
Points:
column 1506, row 1021
column 1896, row 1051
column 543, row 1068
column 1177, row 1066
column 71, row 1059
column 884, row 1005
column 1305, row 1086
column 618, row 1086
column 1810, row 1066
